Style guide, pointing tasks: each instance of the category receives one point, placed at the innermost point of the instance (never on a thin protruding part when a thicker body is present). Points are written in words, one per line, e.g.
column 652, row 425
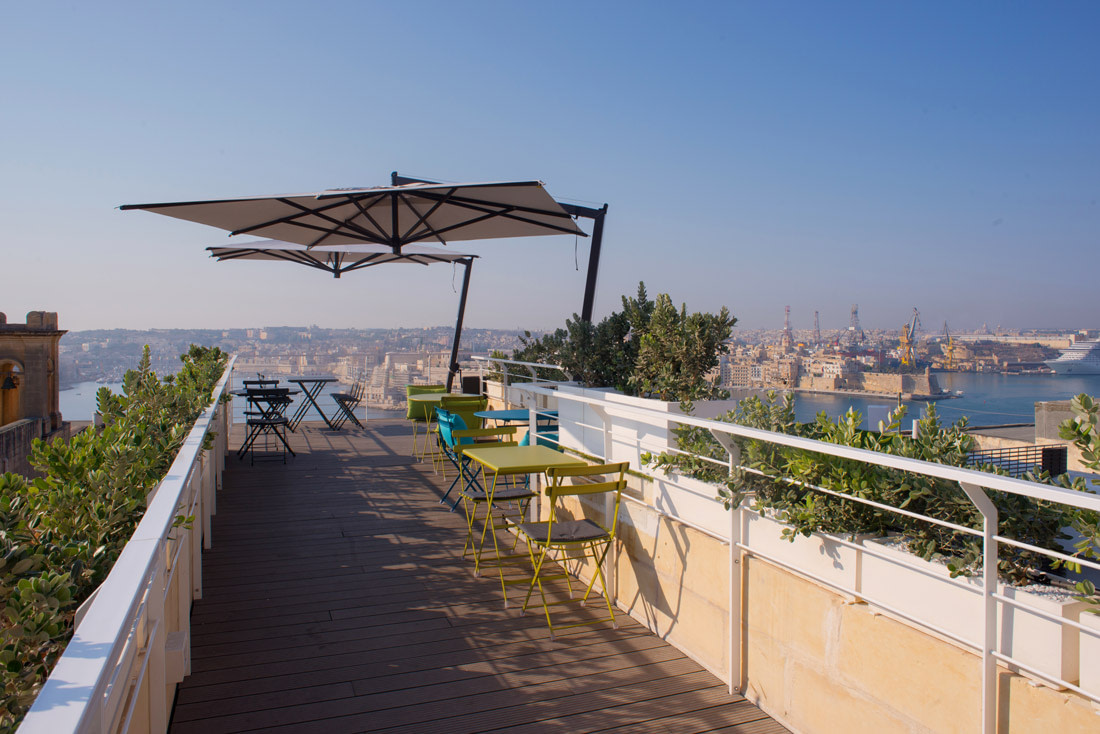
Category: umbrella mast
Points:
column 458, row 324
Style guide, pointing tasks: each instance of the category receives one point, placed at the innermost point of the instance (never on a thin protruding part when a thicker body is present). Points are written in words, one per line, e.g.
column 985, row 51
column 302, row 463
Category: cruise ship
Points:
column 1082, row 358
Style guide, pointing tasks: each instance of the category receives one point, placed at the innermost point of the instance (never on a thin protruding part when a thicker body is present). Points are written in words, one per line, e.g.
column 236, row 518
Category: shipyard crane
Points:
column 908, row 343
column 948, row 347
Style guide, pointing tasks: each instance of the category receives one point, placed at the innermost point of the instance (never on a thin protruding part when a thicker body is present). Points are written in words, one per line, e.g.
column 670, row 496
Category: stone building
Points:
column 29, row 387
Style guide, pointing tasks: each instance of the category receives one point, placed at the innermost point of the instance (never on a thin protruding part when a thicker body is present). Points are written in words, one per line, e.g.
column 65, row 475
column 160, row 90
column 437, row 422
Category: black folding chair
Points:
column 267, row 418
column 347, row 402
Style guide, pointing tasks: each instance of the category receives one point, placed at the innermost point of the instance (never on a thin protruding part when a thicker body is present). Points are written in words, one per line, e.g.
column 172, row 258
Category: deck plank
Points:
column 335, row 599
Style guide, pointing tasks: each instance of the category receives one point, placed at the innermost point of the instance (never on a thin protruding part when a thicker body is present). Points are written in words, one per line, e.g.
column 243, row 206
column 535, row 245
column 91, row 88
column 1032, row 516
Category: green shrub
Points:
column 648, row 349
column 61, row 533
column 782, row 481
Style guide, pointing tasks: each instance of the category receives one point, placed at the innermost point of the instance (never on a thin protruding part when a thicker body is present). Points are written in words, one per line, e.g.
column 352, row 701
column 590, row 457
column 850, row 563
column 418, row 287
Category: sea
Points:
column 987, row 399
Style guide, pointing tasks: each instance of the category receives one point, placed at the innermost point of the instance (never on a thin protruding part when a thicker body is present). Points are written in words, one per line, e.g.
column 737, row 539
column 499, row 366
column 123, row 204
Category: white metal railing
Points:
column 132, row 640
column 526, row 373
column 614, row 415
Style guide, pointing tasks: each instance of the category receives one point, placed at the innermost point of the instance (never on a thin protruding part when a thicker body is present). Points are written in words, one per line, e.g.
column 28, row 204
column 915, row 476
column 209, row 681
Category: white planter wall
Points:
column 955, row 605
column 1090, row 654
column 931, row 597
column 690, row 500
column 818, row 555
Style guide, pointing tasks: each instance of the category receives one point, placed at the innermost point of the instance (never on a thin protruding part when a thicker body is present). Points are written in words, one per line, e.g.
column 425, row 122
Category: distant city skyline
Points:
column 753, row 155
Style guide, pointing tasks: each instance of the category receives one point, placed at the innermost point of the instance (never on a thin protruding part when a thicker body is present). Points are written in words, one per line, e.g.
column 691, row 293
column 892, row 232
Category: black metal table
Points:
column 311, row 385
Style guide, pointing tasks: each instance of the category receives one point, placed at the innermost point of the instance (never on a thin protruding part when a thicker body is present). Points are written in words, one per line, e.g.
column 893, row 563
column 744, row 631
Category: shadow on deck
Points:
column 335, row 599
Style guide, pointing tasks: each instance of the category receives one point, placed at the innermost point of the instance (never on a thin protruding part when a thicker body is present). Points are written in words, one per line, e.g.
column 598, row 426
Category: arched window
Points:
column 11, row 379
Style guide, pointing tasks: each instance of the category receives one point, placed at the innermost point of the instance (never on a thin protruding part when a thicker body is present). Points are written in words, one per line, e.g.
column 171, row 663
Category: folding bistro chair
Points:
column 266, row 419
column 592, row 539
column 454, row 437
column 465, row 406
column 347, row 402
column 419, row 413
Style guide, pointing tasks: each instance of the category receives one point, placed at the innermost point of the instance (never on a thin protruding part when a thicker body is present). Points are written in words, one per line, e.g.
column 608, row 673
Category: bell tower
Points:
column 29, row 379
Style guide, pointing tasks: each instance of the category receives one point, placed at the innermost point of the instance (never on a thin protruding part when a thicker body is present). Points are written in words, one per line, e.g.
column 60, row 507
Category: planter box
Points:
column 689, row 499
column 955, row 605
column 819, row 555
column 1090, row 654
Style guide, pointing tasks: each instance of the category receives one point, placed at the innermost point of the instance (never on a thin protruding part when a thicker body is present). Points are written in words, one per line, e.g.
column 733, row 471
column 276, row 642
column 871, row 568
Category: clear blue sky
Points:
column 943, row 155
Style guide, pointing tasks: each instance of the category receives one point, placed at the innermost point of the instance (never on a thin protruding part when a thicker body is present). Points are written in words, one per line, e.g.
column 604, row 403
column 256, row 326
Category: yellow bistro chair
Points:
column 590, row 538
column 465, row 406
column 420, row 413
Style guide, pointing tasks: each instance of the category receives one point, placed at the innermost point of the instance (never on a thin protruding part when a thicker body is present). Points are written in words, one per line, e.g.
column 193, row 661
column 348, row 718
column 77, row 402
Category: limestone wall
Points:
column 820, row 663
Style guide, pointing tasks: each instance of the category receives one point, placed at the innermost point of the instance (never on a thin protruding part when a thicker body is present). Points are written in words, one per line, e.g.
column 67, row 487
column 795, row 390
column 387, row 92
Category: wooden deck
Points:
column 335, row 600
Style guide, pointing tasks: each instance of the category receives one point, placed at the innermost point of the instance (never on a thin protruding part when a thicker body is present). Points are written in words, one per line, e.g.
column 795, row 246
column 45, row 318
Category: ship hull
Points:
column 1071, row 368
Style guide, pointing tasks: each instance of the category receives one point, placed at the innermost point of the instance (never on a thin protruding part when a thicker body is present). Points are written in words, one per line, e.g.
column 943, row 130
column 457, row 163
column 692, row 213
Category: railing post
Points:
column 989, row 587
column 608, row 444
column 194, row 538
column 157, row 635
column 206, row 488
column 735, row 561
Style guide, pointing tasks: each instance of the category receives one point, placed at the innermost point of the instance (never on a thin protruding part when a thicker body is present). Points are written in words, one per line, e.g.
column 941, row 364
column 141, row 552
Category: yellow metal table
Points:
column 506, row 461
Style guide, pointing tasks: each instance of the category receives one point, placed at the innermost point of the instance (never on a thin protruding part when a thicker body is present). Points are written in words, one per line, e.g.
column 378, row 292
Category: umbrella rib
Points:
column 364, row 210
column 504, row 212
column 468, row 201
column 366, row 262
column 320, row 214
column 423, row 219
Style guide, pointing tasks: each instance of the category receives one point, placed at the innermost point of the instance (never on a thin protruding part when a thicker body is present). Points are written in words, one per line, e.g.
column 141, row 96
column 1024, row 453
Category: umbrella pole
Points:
column 593, row 264
column 458, row 324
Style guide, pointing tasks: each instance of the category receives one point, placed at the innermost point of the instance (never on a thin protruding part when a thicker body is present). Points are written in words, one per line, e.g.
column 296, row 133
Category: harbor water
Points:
column 987, row 398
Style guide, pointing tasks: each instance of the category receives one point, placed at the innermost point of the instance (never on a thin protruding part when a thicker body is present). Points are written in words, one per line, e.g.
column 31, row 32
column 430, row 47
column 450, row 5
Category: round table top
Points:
column 428, row 397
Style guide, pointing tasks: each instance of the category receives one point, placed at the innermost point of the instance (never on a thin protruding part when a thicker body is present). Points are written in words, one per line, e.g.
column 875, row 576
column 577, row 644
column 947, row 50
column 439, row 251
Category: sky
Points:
column 938, row 155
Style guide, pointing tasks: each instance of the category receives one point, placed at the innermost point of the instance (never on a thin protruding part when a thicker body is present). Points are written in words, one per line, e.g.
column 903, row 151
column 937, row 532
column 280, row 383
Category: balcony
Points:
column 332, row 597
column 335, row 598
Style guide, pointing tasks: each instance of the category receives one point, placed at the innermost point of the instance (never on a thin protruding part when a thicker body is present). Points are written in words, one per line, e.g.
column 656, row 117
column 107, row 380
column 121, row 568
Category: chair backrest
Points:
column 558, row 474
column 420, row 411
column 480, row 437
column 447, row 422
column 465, row 406
column 259, row 384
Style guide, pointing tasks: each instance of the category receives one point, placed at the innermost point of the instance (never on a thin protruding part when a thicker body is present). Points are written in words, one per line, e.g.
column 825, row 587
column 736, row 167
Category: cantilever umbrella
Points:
column 405, row 213
column 339, row 259
column 394, row 216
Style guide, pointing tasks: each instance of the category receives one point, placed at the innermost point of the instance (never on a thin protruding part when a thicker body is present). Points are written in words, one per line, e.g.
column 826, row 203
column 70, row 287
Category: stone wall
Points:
column 15, row 444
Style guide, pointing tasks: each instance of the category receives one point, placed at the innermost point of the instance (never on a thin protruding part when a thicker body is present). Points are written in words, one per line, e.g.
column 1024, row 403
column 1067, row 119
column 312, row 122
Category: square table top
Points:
column 520, row 459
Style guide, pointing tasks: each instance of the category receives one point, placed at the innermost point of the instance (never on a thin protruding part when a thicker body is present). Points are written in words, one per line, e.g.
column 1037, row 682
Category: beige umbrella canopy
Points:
column 408, row 212
column 337, row 259
column 394, row 216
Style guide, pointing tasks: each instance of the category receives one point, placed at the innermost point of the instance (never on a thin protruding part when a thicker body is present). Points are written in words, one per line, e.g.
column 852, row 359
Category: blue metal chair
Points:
column 453, row 436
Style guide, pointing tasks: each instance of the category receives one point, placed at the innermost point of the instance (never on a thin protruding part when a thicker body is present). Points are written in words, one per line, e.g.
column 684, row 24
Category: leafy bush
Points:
column 1084, row 432
column 61, row 533
column 782, row 481
column 648, row 349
